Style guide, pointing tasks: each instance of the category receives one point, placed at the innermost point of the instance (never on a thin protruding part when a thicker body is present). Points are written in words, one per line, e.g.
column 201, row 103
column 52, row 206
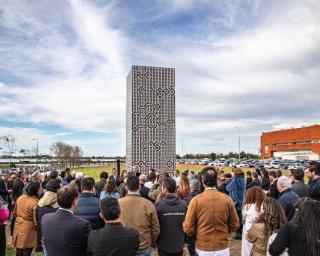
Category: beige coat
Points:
column 259, row 239
column 140, row 214
column 25, row 229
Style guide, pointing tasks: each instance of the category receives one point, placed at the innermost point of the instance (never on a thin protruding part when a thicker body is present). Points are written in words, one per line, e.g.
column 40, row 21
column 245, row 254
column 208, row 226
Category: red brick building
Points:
column 296, row 144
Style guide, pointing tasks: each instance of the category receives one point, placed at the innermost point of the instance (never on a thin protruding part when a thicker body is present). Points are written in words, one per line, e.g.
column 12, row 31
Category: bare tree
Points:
column 9, row 141
column 66, row 154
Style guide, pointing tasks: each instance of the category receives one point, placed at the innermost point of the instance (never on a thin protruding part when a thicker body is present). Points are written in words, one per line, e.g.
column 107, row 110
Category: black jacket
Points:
column 17, row 188
column 3, row 190
column 273, row 191
column 287, row 200
column 144, row 191
column 113, row 240
column 292, row 237
column 192, row 195
column 300, row 188
column 64, row 234
column 89, row 208
column 315, row 189
column 100, row 186
column 254, row 183
column 171, row 212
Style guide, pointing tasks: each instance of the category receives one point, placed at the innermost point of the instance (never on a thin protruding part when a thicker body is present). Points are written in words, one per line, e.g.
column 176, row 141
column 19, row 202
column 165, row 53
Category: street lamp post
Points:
column 37, row 150
column 239, row 140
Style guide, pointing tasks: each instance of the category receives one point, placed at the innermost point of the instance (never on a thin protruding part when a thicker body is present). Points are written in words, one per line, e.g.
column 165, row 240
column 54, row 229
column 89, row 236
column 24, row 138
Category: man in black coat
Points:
column 88, row 206
column 313, row 174
column 297, row 185
column 4, row 193
column 115, row 177
column 171, row 212
column 64, row 234
column 273, row 191
column 113, row 239
column 255, row 181
column 101, row 184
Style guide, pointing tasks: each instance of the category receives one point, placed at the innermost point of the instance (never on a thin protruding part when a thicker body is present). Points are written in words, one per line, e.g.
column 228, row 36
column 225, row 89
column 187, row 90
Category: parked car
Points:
column 295, row 166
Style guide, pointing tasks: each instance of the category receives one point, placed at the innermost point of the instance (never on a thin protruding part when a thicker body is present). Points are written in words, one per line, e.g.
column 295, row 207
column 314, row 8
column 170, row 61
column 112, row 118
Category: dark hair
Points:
column 316, row 165
column 32, row 188
column 255, row 195
column 238, row 172
column 210, row 179
column 110, row 208
column 53, row 174
column 87, row 183
column 255, row 175
column 133, row 183
column 273, row 174
column 63, row 174
column 249, row 173
column 104, row 175
column 110, row 186
column 313, row 168
column 228, row 175
column 272, row 216
column 152, row 176
column 298, row 174
column 170, row 184
column 279, row 173
column 66, row 195
column 54, row 185
column 308, row 218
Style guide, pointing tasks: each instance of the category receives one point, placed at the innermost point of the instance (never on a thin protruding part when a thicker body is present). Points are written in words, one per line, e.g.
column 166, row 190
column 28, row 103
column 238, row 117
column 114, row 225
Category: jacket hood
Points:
column 171, row 199
column 49, row 199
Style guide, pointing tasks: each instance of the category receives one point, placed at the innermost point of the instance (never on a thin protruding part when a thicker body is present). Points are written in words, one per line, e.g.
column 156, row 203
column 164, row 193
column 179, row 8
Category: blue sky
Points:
column 63, row 67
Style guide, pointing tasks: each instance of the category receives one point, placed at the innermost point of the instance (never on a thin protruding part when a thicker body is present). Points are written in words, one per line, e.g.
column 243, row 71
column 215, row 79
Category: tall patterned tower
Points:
column 151, row 129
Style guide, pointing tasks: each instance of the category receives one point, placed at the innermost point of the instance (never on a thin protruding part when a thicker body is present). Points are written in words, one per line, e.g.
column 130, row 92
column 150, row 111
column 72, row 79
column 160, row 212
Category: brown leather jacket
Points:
column 140, row 214
column 211, row 215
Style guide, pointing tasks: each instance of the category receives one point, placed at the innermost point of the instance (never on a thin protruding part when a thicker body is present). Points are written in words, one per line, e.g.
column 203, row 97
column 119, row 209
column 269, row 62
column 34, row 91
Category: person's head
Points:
column 110, row 186
column 114, row 172
column 160, row 177
column 283, row 183
column 255, row 175
column 124, row 174
column 297, row 175
column 168, row 185
column 33, row 188
column 176, row 173
column 87, row 184
column 110, row 209
column 53, row 175
column 135, row 168
column 265, row 173
column 195, row 185
column 311, row 172
column 21, row 175
column 54, row 185
column 184, row 183
column 255, row 195
column 249, row 174
column 6, row 176
column 133, row 184
column 104, row 175
column 238, row 172
column 279, row 173
column 272, row 175
column 67, row 197
column 272, row 215
column 63, row 174
column 68, row 171
column 209, row 179
column 152, row 177
column 308, row 217
column 36, row 176
column 142, row 178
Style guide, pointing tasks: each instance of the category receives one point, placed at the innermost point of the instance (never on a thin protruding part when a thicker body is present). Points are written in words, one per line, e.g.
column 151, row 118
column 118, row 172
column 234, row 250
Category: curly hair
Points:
column 255, row 195
column 272, row 216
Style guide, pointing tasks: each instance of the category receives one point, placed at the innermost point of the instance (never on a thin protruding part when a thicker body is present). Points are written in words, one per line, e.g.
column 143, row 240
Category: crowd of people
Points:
column 68, row 213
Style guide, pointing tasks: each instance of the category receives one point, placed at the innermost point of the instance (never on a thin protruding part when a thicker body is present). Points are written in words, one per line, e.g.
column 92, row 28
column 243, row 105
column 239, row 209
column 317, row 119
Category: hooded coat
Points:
column 171, row 212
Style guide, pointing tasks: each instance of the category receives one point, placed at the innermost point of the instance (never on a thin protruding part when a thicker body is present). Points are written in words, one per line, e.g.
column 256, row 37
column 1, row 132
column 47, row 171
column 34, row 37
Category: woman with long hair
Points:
column 25, row 228
column 301, row 236
column 183, row 190
column 110, row 190
column 250, row 211
column 271, row 219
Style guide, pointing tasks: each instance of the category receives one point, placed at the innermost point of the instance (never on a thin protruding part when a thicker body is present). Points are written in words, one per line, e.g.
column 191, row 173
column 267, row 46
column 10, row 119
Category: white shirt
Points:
column 224, row 252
